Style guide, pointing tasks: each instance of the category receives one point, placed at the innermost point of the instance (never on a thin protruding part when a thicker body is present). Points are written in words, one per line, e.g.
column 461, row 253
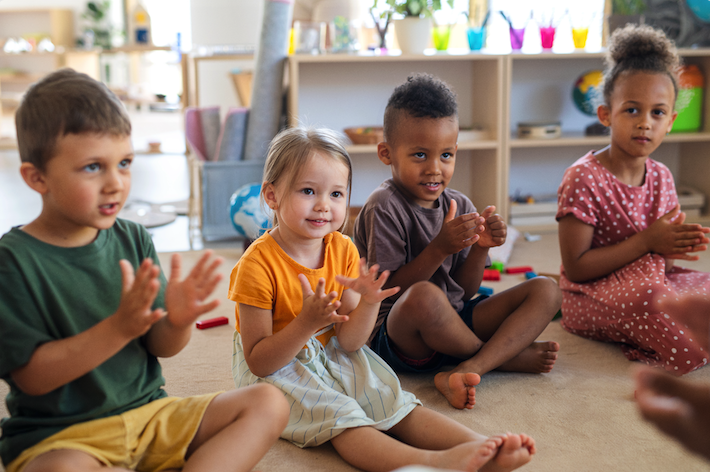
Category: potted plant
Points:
column 624, row 12
column 413, row 31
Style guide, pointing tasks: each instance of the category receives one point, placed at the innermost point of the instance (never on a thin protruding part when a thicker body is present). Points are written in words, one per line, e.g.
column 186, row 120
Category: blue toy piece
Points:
column 246, row 212
column 530, row 275
column 701, row 9
column 485, row 290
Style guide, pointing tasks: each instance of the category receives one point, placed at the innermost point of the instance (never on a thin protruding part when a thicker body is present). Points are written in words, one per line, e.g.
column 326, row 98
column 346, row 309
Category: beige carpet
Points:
column 582, row 414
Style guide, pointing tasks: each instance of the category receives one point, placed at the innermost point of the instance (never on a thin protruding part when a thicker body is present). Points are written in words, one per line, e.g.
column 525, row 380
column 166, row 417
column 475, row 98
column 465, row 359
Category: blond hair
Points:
column 290, row 151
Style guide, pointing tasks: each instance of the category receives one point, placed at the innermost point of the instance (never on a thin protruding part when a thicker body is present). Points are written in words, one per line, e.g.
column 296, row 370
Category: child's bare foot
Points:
column 516, row 451
column 469, row 456
column 458, row 388
column 537, row 358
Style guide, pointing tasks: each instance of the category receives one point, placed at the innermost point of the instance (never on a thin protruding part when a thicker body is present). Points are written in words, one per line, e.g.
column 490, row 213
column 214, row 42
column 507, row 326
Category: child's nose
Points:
column 114, row 181
column 433, row 167
column 322, row 203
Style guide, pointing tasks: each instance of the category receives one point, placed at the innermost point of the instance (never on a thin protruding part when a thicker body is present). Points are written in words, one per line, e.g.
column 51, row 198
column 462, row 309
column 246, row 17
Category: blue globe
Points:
column 246, row 212
column 585, row 91
column 701, row 9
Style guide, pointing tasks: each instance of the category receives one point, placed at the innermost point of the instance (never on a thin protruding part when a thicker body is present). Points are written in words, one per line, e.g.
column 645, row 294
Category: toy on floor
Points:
column 530, row 275
column 518, row 270
column 485, row 290
column 491, row 274
column 212, row 322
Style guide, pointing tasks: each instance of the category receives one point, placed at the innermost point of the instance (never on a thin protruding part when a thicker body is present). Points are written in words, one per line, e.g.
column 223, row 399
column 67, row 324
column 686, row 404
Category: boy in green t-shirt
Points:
column 85, row 311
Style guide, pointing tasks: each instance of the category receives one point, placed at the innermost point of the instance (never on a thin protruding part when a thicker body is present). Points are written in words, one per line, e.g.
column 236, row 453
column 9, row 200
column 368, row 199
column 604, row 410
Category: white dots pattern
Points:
column 611, row 309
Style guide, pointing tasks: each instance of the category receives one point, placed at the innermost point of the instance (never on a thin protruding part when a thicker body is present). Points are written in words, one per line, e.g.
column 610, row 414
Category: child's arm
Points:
column 666, row 236
column 470, row 274
column 361, row 304
column 266, row 351
column 184, row 302
column 56, row 363
column 456, row 234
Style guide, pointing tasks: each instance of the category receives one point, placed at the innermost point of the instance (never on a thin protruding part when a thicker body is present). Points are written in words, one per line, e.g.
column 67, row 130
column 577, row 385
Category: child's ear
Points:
column 269, row 192
column 604, row 114
column 384, row 153
column 33, row 177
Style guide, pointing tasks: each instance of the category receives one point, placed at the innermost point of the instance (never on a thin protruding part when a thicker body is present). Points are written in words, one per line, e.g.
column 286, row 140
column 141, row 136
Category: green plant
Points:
column 97, row 20
column 414, row 7
column 628, row 7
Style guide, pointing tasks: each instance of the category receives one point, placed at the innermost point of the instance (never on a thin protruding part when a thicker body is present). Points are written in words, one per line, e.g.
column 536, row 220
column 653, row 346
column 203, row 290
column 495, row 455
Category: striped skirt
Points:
column 330, row 390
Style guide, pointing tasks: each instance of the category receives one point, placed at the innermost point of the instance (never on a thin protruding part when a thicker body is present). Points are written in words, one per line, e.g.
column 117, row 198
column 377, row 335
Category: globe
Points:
column 246, row 212
column 586, row 90
column 701, row 9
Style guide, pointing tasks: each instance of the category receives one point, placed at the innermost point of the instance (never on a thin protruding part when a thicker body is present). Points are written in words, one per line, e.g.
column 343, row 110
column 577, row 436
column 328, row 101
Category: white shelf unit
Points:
column 498, row 91
column 340, row 91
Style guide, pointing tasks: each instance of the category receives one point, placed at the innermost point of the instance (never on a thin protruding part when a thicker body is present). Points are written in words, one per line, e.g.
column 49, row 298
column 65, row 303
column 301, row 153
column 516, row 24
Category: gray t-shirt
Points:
column 391, row 231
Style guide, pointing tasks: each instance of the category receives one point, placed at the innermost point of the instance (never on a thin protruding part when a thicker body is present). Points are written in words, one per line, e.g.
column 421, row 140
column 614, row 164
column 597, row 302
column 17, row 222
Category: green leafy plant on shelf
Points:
column 98, row 26
column 415, row 8
column 628, row 7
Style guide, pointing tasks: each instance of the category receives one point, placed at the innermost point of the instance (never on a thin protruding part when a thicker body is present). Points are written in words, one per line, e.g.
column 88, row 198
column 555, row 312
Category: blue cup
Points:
column 476, row 37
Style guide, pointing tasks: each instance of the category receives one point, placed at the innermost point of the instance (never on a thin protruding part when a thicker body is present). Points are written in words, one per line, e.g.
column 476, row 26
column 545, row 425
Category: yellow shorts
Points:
column 150, row 438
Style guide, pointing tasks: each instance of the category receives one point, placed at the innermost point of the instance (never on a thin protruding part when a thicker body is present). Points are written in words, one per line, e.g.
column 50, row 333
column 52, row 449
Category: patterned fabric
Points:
column 622, row 307
column 330, row 390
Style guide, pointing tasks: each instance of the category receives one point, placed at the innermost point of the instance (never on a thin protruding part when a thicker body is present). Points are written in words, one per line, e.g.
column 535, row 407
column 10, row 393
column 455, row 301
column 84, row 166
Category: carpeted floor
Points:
column 582, row 414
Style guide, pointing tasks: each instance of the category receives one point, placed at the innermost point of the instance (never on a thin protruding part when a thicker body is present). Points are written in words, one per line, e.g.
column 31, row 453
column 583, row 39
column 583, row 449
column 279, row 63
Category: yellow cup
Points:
column 579, row 37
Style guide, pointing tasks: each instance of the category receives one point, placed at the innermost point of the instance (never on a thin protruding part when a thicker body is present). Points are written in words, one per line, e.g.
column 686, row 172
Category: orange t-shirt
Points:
column 266, row 277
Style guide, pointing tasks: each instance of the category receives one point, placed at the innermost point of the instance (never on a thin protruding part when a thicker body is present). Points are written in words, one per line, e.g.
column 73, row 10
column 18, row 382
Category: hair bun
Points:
column 641, row 45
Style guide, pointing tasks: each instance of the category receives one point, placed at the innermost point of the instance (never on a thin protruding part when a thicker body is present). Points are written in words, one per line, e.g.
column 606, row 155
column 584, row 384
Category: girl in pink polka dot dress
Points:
column 620, row 223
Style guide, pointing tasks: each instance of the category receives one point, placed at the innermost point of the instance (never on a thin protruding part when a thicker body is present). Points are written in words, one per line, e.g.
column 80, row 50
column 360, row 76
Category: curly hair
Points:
column 639, row 48
column 421, row 96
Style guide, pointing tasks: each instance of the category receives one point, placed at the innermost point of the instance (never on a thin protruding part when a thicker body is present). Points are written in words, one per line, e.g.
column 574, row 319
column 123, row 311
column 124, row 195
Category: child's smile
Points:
column 422, row 157
column 316, row 203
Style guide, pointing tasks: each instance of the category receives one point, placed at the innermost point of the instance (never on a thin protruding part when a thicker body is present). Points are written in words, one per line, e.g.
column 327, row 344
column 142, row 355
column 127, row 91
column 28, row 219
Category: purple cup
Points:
column 516, row 37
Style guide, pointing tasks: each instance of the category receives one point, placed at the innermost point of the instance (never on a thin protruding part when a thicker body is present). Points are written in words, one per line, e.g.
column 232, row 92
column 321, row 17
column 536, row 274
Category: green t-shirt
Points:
column 49, row 293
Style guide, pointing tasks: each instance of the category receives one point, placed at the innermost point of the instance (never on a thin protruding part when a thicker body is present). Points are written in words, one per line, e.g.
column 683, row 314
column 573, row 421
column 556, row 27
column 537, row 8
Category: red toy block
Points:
column 491, row 274
column 518, row 270
column 204, row 324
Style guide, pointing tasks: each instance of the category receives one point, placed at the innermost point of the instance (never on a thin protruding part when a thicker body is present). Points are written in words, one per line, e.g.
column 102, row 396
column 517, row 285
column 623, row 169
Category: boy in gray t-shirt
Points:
column 435, row 244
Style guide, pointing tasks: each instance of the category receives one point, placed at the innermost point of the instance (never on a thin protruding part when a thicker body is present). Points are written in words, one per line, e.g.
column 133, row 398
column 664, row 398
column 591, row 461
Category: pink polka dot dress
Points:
column 623, row 306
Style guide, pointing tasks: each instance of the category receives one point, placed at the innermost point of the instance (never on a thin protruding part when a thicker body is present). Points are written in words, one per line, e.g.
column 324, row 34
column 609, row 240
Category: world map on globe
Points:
column 246, row 212
column 586, row 91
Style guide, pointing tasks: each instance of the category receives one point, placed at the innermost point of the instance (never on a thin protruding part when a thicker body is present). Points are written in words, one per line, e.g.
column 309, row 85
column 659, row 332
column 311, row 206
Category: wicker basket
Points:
column 365, row 134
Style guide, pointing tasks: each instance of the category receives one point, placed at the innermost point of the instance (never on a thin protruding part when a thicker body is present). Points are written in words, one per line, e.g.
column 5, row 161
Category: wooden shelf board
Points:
column 463, row 146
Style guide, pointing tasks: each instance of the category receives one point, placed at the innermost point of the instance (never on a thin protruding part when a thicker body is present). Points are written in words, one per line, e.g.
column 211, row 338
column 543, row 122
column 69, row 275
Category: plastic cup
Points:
column 579, row 37
column 516, row 37
column 440, row 35
column 476, row 38
column 547, row 36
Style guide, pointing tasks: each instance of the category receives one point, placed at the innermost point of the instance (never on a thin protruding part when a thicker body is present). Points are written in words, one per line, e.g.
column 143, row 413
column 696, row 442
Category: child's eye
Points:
column 308, row 191
column 125, row 164
column 420, row 155
column 93, row 167
column 447, row 155
column 631, row 110
column 659, row 112
column 336, row 194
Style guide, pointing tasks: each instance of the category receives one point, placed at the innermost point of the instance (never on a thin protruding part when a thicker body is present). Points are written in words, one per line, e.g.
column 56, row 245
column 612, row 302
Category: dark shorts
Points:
column 383, row 346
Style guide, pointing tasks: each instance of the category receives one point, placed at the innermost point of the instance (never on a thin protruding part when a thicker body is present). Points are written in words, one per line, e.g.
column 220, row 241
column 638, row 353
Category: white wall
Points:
column 219, row 22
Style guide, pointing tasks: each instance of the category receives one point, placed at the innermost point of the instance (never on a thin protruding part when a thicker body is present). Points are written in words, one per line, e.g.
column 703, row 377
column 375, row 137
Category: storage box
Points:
column 220, row 179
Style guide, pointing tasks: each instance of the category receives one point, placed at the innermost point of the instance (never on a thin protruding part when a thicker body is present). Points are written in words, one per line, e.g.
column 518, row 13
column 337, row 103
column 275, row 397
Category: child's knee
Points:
column 547, row 288
column 271, row 401
column 423, row 298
